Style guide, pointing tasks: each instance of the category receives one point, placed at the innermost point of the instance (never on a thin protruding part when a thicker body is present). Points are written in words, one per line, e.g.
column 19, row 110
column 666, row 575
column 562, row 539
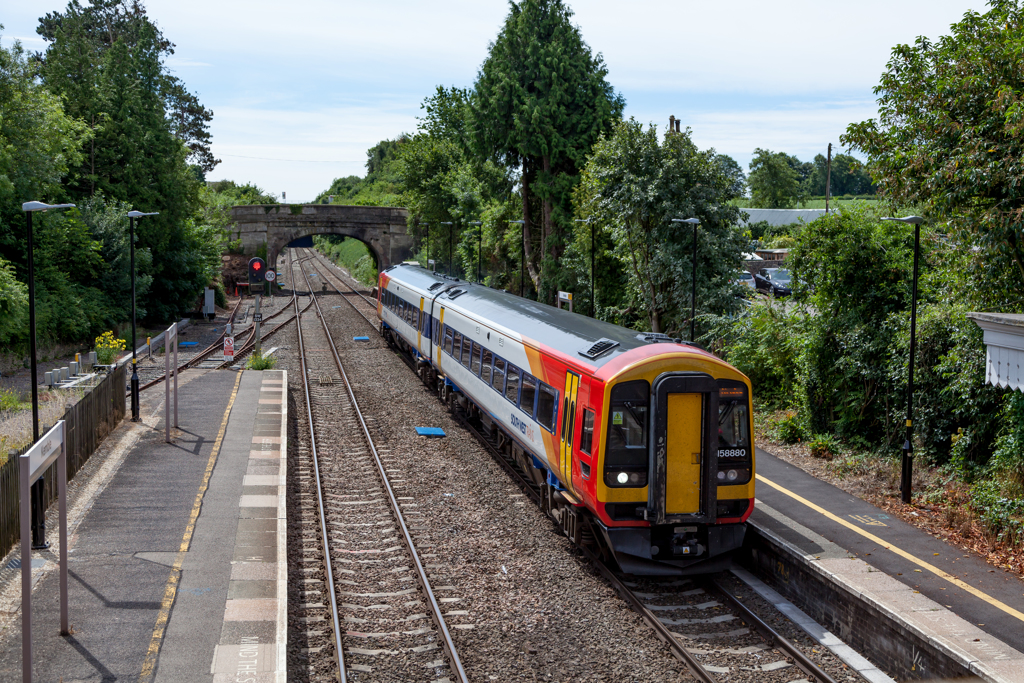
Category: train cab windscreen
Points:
column 625, row 457
column 734, row 452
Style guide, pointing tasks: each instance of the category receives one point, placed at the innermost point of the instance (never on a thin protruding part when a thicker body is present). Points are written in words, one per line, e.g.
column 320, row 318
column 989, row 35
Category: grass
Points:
column 16, row 422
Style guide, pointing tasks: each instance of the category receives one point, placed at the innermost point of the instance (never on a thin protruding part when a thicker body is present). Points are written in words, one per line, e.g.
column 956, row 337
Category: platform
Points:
column 177, row 567
column 951, row 598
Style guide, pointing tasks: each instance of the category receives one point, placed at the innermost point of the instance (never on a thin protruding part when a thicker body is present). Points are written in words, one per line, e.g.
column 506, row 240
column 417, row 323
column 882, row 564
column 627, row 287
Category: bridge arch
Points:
column 381, row 228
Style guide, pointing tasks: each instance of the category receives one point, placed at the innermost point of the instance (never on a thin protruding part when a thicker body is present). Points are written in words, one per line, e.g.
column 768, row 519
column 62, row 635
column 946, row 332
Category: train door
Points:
column 572, row 386
column 685, row 449
column 683, row 458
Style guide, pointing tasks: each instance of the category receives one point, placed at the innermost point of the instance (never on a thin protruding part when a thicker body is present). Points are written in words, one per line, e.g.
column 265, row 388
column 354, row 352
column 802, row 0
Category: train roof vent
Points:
column 657, row 338
column 599, row 348
column 435, row 286
column 457, row 292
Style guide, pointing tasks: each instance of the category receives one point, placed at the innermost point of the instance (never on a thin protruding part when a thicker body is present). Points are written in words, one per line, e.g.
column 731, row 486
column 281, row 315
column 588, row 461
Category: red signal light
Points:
column 256, row 266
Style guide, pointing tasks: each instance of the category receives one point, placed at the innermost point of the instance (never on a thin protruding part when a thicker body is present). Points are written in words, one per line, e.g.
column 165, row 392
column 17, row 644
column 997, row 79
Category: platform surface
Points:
column 178, row 570
column 830, row 525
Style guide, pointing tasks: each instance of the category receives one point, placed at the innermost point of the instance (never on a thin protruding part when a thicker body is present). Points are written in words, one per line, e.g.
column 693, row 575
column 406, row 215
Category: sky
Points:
column 300, row 90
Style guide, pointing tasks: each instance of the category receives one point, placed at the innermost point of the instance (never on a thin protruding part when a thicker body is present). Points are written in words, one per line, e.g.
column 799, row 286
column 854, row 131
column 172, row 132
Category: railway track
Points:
column 387, row 622
column 241, row 350
column 702, row 622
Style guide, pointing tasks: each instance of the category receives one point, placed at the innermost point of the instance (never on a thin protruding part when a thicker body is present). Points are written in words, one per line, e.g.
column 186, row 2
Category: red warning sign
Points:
column 229, row 348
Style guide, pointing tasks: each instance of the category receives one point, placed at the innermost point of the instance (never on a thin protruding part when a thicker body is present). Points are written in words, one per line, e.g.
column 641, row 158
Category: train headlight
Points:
column 721, row 475
column 732, row 475
column 622, row 478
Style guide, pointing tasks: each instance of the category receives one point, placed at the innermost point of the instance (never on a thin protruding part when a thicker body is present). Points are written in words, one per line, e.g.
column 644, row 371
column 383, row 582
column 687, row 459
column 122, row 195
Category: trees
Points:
column 773, row 181
column 633, row 186
column 105, row 61
column 539, row 103
column 848, row 176
column 948, row 134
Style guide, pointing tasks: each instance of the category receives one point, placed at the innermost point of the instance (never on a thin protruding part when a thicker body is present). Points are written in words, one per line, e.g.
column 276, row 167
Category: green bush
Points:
column 257, row 361
column 789, row 429
column 9, row 400
column 824, row 446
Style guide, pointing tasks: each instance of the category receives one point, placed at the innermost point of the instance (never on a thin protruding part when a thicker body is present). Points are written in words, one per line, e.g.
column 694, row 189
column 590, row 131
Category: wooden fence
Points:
column 87, row 423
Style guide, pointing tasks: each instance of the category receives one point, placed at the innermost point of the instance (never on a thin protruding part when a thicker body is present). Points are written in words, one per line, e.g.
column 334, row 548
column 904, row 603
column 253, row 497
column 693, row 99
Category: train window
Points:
column 498, row 378
column 475, row 367
column 456, row 345
column 512, row 383
column 626, row 448
column 528, row 396
column 733, row 433
column 485, row 366
column 415, row 317
column 467, row 351
column 587, row 434
column 448, row 340
column 546, row 402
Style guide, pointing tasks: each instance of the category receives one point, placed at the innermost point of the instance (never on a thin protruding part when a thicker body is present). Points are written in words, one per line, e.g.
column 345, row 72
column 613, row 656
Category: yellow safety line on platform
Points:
column 899, row 551
column 171, row 590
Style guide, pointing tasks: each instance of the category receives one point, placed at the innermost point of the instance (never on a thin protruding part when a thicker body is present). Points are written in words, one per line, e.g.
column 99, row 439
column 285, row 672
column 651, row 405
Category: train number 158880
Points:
column 732, row 453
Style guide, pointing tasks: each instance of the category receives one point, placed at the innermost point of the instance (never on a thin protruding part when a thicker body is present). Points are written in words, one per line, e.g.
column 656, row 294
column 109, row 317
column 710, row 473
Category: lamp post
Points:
column 522, row 253
column 479, row 247
column 693, row 291
column 907, row 470
column 132, row 215
column 451, row 239
column 38, row 516
column 593, row 301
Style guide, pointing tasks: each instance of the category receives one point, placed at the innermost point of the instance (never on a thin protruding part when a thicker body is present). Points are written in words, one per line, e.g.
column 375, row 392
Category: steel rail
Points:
column 201, row 355
column 342, row 676
column 769, row 634
column 661, row 631
column 435, row 608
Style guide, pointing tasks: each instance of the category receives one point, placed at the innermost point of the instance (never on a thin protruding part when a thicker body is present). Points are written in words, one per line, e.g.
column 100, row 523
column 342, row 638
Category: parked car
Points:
column 743, row 277
column 774, row 281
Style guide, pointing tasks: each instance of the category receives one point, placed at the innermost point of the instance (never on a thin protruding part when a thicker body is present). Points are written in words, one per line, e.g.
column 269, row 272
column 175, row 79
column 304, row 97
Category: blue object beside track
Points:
column 188, row 343
column 360, row 339
column 430, row 431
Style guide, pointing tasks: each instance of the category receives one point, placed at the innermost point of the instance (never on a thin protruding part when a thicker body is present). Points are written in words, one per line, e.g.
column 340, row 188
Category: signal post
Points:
column 257, row 276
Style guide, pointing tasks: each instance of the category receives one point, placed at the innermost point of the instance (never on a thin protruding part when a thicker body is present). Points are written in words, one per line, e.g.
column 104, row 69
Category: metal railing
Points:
column 87, row 422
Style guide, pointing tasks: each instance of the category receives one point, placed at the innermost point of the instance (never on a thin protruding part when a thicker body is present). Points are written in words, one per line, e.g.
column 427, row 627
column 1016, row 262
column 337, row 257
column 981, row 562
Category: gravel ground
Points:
column 537, row 609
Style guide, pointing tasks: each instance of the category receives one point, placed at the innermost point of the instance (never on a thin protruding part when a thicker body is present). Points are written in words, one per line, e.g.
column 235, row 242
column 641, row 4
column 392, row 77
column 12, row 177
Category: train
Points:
column 640, row 445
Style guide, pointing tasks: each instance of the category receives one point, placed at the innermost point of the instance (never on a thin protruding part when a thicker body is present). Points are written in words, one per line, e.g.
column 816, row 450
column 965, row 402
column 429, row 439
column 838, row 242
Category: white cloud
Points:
column 325, row 80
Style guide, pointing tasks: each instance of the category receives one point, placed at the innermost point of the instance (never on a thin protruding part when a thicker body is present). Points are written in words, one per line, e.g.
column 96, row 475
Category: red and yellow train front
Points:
column 665, row 457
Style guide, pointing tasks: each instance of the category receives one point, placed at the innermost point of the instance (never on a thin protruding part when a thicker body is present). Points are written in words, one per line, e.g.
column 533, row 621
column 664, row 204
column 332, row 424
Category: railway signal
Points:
column 257, row 271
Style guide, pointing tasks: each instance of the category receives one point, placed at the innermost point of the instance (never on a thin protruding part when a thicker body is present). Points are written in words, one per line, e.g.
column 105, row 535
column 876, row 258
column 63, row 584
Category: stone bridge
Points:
column 381, row 228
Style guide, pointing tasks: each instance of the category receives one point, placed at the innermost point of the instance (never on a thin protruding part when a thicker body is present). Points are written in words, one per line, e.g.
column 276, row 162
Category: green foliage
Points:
column 350, row 253
column 108, row 347
column 9, row 400
column 13, row 305
column 823, row 446
column 948, row 134
column 849, row 177
column 632, row 187
column 764, row 344
column 773, row 182
column 106, row 63
column 539, row 103
column 257, row 361
column 789, row 429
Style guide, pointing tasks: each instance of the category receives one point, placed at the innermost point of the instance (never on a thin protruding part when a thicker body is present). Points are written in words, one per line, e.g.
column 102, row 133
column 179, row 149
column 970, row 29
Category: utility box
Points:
column 209, row 309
